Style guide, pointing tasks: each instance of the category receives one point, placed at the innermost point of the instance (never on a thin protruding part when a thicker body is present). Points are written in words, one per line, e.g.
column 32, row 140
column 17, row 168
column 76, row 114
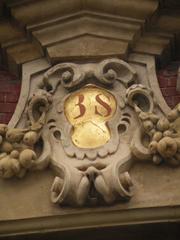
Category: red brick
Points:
column 6, row 76
column 5, row 117
column 1, row 97
column 176, row 100
column 7, row 107
column 168, row 72
column 11, row 98
column 170, row 91
column 162, row 81
column 169, row 101
column 9, row 88
column 172, row 81
column 9, row 94
column 167, row 78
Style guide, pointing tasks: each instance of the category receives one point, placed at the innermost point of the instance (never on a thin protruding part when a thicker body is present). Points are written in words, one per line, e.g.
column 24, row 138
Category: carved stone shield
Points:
column 89, row 122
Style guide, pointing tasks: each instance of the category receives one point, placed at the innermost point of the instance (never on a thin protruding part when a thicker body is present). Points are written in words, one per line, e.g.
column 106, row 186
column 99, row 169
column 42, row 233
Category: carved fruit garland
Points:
column 90, row 120
column 163, row 131
column 17, row 145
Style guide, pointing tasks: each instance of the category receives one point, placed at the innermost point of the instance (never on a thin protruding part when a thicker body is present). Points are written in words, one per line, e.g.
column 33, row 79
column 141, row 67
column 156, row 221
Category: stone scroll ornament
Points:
column 89, row 123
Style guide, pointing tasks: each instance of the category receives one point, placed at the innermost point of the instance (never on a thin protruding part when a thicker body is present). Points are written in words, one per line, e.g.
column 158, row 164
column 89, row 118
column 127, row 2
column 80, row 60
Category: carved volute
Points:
column 90, row 122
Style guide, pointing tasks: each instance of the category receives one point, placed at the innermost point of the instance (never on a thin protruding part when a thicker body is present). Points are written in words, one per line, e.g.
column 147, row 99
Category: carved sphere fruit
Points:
column 167, row 147
column 111, row 75
column 157, row 159
column 14, row 154
column 153, row 146
column 3, row 129
column 14, row 135
column 6, row 147
column 67, row 76
column 27, row 158
column 9, row 167
column 173, row 115
column 157, row 136
column 163, row 124
column 167, row 133
column 148, row 125
column 30, row 138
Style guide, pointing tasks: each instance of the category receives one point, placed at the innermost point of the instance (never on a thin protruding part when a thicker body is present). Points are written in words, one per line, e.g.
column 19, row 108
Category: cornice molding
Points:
column 45, row 28
column 80, row 221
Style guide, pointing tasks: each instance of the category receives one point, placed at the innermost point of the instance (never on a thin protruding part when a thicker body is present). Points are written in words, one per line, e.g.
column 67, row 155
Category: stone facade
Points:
column 89, row 118
column 10, row 90
column 9, row 94
column 168, row 81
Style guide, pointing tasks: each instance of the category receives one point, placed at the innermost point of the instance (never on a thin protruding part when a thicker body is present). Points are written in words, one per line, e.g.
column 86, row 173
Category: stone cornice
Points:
column 33, row 29
column 88, row 220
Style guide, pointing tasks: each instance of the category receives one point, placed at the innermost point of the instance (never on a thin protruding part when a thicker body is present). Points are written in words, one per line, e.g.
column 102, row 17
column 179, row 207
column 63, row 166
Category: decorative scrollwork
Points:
column 93, row 184
column 164, row 143
column 72, row 75
column 115, row 69
column 17, row 145
column 68, row 74
column 88, row 134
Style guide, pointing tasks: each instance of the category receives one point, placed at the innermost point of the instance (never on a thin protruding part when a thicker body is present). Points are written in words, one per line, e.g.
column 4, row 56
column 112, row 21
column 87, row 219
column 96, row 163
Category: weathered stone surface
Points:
column 139, row 9
column 87, row 47
column 21, row 53
column 123, row 29
column 9, row 33
column 151, row 190
column 159, row 46
column 169, row 22
column 89, row 31
column 51, row 23
column 63, row 121
column 38, row 11
column 42, row 10
column 13, row 3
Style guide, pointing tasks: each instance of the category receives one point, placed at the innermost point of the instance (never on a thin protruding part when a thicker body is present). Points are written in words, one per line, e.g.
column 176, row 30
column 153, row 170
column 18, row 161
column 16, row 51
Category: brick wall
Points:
column 167, row 81
column 10, row 90
column 9, row 94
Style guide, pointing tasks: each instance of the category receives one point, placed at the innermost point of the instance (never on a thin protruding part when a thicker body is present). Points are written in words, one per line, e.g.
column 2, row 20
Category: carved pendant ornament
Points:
column 90, row 122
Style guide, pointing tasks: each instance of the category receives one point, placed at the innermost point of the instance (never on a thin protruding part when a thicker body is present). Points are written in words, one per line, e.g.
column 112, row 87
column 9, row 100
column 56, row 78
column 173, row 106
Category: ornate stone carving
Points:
column 90, row 122
column 163, row 131
column 17, row 147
